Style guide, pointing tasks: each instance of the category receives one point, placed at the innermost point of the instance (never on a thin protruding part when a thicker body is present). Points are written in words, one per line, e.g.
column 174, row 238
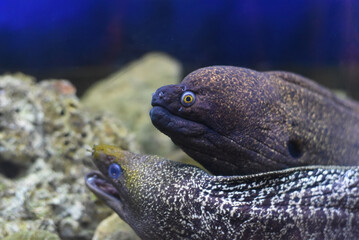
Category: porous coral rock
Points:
column 44, row 140
column 114, row 228
column 33, row 235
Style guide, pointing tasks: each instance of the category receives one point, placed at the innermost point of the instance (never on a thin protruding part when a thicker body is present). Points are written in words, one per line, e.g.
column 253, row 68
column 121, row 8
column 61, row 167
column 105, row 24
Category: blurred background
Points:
column 86, row 40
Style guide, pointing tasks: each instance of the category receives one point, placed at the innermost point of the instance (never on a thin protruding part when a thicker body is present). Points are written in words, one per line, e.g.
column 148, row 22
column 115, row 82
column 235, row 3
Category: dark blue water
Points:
column 36, row 36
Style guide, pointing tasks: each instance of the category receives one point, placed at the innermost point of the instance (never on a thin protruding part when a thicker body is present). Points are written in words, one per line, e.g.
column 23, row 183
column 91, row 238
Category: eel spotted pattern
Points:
column 162, row 199
column 237, row 121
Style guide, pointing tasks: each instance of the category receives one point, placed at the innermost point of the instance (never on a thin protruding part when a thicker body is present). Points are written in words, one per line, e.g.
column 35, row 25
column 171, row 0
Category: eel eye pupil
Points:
column 114, row 170
column 188, row 98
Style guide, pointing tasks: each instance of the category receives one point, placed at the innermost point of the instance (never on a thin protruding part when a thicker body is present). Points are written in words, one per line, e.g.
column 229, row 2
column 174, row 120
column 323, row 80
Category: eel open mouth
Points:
column 102, row 188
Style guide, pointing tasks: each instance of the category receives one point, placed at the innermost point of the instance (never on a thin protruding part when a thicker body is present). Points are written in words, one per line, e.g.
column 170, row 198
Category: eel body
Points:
column 162, row 199
column 237, row 121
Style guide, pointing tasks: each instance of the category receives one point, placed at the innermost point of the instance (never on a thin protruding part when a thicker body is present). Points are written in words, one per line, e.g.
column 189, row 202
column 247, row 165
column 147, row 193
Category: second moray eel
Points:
column 239, row 121
column 162, row 199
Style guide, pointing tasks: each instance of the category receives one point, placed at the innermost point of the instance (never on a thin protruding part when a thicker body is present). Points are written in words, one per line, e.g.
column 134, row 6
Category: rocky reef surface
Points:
column 46, row 133
column 33, row 235
column 45, row 137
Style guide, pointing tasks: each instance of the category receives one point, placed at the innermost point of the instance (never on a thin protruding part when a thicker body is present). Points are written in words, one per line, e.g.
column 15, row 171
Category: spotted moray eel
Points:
column 163, row 199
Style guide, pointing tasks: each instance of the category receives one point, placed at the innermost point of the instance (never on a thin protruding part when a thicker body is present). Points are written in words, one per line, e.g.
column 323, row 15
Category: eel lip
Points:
column 102, row 188
column 172, row 125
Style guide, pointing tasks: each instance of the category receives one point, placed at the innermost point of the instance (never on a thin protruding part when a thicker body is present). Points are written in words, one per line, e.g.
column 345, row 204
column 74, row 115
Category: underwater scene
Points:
column 175, row 119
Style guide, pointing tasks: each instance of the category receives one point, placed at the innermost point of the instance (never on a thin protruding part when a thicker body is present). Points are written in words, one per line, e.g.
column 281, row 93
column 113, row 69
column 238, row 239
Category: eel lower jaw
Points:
column 170, row 123
column 104, row 190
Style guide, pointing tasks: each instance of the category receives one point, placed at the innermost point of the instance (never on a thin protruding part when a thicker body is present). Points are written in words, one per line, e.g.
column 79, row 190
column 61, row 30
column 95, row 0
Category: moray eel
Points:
column 162, row 199
column 237, row 121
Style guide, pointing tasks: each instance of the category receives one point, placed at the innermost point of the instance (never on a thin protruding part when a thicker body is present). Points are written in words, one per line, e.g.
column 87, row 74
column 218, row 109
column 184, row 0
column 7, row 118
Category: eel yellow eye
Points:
column 188, row 98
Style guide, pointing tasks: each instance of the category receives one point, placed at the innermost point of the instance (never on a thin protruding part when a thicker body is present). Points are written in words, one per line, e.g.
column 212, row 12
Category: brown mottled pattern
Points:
column 244, row 121
column 162, row 199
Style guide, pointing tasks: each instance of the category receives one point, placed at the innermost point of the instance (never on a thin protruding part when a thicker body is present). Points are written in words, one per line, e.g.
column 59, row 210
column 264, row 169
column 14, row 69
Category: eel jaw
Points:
column 104, row 190
column 195, row 139
column 171, row 124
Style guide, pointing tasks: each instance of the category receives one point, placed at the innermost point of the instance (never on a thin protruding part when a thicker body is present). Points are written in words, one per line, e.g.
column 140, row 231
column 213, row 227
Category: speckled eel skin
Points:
column 162, row 199
column 237, row 121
